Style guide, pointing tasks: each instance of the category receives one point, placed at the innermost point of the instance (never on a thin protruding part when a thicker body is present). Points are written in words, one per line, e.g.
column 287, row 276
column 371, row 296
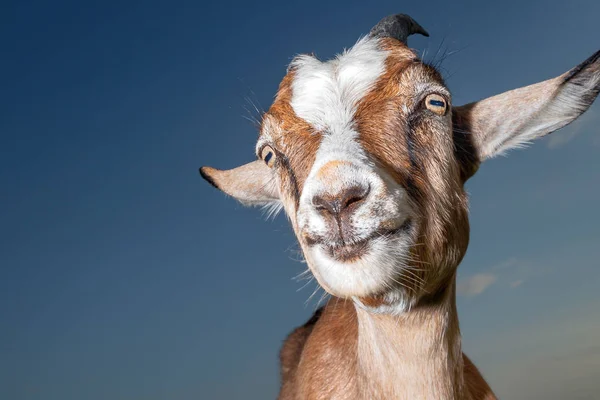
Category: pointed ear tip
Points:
column 208, row 174
column 593, row 61
column 206, row 170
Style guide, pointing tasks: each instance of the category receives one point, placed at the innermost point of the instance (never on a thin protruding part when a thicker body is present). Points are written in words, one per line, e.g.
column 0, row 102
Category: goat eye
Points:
column 268, row 156
column 436, row 103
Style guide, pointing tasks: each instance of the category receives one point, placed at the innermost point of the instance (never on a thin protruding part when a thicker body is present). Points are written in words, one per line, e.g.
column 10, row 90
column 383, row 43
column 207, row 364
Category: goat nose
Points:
column 342, row 202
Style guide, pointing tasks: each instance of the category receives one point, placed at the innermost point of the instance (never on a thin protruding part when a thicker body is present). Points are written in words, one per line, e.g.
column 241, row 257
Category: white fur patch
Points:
column 325, row 94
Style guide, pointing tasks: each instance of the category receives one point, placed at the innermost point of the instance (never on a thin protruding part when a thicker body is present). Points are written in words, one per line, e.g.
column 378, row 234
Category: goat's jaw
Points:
column 367, row 268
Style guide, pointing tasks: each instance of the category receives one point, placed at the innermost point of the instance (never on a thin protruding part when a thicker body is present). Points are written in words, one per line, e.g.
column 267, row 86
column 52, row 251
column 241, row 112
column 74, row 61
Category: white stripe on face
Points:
column 326, row 94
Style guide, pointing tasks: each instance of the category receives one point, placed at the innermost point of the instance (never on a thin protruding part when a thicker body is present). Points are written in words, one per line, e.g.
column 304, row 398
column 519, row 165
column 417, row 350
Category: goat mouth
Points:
column 348, row 252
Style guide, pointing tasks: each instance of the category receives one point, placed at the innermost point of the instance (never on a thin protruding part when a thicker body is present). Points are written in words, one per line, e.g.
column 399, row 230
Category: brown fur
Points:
column 321, row 359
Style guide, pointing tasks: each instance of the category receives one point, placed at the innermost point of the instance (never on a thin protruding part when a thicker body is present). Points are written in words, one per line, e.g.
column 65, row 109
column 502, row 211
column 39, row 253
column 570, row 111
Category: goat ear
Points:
column 512, row 119
column 251, row 184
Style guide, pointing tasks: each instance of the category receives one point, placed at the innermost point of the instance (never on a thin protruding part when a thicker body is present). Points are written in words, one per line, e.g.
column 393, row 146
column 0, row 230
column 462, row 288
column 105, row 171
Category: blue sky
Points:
column 123, row 275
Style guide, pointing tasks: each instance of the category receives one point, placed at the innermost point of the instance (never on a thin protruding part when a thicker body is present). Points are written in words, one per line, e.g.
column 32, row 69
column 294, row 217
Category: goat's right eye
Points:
column 436, row 103
column 268, row 156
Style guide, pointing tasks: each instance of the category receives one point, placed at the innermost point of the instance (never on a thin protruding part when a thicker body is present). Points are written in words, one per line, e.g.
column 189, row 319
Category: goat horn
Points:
column 399, row 26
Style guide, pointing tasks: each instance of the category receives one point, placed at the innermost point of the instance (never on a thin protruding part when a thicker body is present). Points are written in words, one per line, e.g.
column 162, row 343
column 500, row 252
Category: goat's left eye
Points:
column 268, row 156
column 436, row 103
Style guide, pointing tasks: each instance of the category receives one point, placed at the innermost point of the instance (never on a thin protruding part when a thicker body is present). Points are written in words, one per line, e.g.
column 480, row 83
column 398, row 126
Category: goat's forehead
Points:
column 323, row 96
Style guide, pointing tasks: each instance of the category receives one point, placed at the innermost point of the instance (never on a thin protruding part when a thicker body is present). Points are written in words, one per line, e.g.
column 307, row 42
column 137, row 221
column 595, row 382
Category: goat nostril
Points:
column 325, row 204
column 354, row 195
column 351, row 201
column 335, row 204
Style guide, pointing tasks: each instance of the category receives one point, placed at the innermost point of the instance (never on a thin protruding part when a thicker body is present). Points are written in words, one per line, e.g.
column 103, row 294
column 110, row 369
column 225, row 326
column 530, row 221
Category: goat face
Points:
column 368, row 157
column 364, row 154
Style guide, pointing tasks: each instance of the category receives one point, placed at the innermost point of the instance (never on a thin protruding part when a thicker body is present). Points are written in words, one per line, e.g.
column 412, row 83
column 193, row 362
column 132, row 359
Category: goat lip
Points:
column 354, row 251
column 348, row 252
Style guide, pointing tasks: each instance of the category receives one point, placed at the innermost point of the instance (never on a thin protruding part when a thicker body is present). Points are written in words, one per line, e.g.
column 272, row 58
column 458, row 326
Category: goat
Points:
column 368, row 157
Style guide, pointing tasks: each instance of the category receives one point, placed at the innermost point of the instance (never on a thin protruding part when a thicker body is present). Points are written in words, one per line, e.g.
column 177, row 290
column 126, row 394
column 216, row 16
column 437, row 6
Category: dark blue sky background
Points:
column 123, row 275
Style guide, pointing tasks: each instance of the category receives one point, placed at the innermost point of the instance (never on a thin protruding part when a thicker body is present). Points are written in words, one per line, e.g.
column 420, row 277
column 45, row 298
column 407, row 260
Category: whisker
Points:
column 323, row 296
column 404, row 286
column 305, row 285
column 312, row 295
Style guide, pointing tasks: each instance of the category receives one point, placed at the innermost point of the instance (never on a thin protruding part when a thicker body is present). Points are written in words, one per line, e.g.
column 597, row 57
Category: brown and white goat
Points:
column 368, row 157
